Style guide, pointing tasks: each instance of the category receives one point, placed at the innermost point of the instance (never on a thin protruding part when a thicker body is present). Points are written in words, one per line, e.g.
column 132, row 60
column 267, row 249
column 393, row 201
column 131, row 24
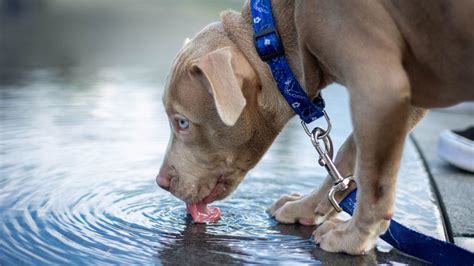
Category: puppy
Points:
column 396, row 59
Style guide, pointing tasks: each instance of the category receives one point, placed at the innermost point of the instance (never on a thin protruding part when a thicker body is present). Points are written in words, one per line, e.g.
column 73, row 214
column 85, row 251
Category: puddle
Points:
column 78, row 160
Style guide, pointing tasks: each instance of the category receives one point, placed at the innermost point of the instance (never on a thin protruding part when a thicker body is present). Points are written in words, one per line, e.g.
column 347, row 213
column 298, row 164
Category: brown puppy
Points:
column 395, row 57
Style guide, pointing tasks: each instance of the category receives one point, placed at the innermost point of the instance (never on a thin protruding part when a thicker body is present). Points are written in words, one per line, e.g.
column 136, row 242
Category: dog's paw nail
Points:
column 317, row 240
column 318, row 213
column 319, row 210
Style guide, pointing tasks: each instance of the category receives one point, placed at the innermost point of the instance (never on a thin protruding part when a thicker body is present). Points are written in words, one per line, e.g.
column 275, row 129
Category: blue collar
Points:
column 270, row 49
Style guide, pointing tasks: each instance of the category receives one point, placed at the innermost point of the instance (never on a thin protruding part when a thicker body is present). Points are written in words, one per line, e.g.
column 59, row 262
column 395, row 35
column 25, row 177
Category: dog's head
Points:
column 218, row 131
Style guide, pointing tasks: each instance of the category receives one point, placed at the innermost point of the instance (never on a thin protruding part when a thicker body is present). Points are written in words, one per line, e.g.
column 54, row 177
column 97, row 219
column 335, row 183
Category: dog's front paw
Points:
column 343, row 236
column 299, row 209
column 282, row 201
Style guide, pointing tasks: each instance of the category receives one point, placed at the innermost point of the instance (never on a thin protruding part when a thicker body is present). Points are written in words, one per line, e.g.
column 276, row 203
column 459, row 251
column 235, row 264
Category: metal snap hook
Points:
column 326, row 153
column 327, row 141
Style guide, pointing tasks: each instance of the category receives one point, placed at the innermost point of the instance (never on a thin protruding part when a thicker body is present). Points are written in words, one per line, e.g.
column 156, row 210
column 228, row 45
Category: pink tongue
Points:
column 202, row 214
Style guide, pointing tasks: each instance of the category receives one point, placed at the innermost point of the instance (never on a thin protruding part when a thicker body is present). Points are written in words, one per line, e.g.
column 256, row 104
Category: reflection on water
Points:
column 79, row 153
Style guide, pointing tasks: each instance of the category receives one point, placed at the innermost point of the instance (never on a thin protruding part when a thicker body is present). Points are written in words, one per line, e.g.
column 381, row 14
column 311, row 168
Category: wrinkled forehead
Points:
column 187, row 94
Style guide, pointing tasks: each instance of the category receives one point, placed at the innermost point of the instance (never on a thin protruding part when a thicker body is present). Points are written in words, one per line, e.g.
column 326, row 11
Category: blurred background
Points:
column 67, row 34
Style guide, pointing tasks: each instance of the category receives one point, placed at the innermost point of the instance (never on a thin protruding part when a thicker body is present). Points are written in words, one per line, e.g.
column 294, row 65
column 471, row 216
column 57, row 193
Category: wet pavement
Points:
column 454, row 187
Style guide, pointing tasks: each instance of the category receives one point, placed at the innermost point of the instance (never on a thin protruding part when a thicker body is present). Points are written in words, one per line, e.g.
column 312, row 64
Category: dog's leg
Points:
column 315, row 207
column 382, row 116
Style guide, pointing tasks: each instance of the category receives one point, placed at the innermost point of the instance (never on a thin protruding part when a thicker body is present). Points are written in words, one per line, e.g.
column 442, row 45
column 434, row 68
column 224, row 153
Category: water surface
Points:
column 79, row 153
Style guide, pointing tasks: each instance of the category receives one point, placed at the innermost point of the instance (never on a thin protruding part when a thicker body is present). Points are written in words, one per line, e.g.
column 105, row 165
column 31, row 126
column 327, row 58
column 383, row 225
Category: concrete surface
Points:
column 454, row 187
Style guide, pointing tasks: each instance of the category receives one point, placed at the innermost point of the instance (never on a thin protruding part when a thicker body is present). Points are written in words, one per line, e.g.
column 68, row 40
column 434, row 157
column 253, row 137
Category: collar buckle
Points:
column 268, row 44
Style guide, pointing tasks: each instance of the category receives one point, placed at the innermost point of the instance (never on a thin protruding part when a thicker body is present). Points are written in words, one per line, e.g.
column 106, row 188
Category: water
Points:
column 79, row 153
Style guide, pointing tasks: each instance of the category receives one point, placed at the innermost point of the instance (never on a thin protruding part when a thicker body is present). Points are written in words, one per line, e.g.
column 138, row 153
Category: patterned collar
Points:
column 270, row 49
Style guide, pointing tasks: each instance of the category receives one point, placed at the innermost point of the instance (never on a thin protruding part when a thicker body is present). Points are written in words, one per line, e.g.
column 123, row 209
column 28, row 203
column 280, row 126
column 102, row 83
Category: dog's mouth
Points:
column 203, row 214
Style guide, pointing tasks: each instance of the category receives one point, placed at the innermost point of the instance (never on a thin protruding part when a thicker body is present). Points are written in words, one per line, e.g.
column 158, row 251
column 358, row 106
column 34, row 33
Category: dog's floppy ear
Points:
column 227, row 71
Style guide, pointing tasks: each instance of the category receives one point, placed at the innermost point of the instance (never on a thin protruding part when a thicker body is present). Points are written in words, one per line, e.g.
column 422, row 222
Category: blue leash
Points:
column 270, row 49
column 416, row 244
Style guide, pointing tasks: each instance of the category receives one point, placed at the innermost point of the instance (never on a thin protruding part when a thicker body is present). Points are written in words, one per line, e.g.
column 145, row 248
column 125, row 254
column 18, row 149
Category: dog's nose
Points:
column 163, row 182
column 163, row 179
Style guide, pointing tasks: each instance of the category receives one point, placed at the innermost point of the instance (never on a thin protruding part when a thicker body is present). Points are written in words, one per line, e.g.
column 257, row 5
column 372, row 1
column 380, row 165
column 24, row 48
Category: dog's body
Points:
column 396, row 58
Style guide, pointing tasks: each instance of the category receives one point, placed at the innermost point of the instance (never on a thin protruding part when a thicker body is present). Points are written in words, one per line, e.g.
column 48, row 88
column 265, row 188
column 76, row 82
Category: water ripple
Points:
column 77, row 186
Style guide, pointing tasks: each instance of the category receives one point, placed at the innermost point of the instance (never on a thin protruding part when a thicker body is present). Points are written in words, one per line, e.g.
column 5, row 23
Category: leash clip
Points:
column 326, row 160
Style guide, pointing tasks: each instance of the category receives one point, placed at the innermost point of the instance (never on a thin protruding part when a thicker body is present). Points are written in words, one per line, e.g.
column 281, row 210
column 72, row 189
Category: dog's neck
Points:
column 240, row 31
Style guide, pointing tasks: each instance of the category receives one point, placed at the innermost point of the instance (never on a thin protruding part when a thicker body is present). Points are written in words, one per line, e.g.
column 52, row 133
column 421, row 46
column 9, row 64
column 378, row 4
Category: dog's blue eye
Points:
column 183, row 123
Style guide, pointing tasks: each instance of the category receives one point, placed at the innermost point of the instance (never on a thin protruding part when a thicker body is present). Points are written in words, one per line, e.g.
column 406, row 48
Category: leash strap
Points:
column 270, row 49
column 416, row 244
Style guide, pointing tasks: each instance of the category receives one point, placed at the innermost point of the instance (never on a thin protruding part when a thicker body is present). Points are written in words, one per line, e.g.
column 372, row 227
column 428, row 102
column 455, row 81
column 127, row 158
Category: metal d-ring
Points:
column 326, row 131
